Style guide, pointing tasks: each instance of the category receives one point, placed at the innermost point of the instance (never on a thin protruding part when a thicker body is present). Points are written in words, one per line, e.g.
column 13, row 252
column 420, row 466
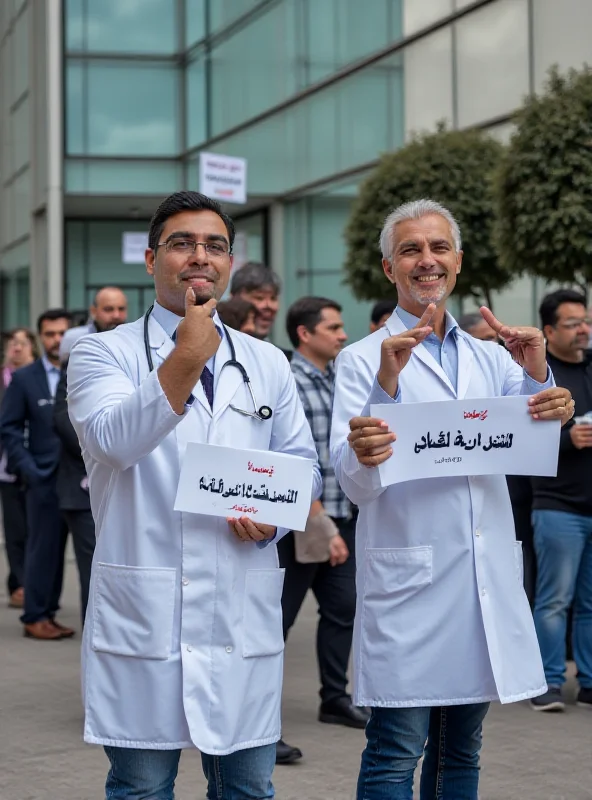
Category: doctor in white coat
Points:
column 442, row 624
column 183, row 644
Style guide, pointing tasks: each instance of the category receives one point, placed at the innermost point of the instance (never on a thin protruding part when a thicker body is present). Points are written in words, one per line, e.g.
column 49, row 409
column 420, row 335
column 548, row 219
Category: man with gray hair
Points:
column 443, row 626
column 260, row 286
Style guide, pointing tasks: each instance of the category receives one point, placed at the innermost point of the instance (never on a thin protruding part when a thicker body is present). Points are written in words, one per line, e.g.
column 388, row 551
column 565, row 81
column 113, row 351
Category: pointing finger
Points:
column 491, row 320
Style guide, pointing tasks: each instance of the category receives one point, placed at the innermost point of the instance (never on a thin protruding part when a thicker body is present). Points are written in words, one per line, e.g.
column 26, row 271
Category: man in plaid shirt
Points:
column 315, row 328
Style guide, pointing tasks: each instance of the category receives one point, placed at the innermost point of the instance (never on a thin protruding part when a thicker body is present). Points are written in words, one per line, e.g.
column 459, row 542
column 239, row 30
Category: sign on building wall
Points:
column 223, row 177
column 133, row 246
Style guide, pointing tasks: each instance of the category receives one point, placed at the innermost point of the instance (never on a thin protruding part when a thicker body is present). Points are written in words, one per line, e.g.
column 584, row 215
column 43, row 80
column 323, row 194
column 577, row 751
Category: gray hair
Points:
column 252, row 276
column 468, row 321
column 415, row 209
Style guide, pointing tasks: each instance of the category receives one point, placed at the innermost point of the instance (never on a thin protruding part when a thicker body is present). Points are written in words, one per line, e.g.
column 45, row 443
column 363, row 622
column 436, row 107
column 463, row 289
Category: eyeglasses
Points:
column 186, row 247
column 573, row 325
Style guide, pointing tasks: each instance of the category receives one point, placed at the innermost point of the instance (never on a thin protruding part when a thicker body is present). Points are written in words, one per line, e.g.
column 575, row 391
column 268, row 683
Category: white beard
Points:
column 427, row 295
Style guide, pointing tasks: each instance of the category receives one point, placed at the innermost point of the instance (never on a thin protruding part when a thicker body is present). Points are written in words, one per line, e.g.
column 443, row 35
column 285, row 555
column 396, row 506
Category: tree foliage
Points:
column 452, row 167
column 544, row 186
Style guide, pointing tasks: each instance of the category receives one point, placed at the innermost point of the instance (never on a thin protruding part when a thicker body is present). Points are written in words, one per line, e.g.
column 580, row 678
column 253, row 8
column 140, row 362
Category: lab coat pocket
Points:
column 393, row 575
column 133, row 611
column 519, row 562
column 262, row 613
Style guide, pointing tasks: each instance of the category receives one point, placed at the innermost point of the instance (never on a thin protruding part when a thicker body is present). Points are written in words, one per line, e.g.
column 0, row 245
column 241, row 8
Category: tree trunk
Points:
column 488, row 298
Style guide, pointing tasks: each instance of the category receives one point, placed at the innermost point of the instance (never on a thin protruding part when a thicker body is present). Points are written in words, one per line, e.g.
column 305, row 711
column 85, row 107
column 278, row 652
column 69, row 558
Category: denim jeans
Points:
column 396, row 739
column 151, row 774
column 563, row 546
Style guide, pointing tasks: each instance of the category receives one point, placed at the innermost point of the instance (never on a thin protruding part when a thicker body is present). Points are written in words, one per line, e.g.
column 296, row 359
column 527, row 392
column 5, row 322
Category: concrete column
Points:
column 55, row 112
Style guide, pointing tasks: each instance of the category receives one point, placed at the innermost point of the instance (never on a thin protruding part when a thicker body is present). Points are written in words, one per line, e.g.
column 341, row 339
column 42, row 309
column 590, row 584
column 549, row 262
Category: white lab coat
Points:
column 442, row 618
column 183, row 640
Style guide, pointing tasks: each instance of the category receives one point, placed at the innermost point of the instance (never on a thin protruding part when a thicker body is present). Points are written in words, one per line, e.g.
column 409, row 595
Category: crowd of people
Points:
column 157, row 677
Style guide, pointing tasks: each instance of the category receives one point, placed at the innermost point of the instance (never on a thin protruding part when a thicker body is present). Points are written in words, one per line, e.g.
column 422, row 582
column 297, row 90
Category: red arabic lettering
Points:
column 245, row 509
column 476, row 414
column 261, row 470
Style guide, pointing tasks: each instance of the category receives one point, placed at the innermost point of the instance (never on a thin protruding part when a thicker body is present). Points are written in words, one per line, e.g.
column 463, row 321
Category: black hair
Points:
column 381, row 308
column 252, row 276
column 307, row 312
column 551, row 302
column 51, row 315
column 185, row 201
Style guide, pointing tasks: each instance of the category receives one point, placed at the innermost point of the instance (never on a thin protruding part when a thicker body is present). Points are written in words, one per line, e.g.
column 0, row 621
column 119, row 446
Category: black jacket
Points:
column 71, row 480
column 26, row 426
column 571, row 490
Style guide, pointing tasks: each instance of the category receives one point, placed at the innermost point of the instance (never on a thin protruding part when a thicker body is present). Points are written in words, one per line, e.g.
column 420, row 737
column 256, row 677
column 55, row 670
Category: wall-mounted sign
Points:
column 133, row 247
column 223, row 177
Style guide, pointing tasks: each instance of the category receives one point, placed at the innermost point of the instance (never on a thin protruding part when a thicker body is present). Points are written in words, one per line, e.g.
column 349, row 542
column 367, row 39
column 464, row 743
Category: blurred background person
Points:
column 33, row 454
column 322, row 557
column 20, row 349
column 475, row 326
column 381, row 311
column 562, row 509
column 109, row 309
column 259, row 285
column 239, row 314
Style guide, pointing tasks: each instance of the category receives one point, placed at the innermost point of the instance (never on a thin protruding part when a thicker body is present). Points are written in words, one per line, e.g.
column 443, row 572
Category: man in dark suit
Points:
column 72, row 489
column 33, row 451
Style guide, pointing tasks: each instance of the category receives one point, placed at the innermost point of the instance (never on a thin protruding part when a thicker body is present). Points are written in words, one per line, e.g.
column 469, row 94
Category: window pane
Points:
column 420, row 14
column 255, row 68
column 119, row 109
column 492, row 59
column 20, row 128
column 196, row 103
column 223, row 12
column 123, row 177
column 561, row 36
column 20, row 56
column 340, row 127
column 195, row 22
column 121, row 26
column 22, row 205
column 428, row 74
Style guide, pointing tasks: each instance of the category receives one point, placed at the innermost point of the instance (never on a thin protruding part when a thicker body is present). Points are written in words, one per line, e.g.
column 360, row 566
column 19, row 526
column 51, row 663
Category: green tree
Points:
column 544, row 185
column 454, row 168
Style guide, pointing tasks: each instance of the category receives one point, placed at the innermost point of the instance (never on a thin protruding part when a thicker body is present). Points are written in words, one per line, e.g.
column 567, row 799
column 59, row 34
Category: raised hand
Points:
column 526, row 345
column 196, row 334
column 396, row 351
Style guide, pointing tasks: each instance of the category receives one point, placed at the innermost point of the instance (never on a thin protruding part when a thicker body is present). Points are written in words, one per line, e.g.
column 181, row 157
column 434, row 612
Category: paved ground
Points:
column 527, row 756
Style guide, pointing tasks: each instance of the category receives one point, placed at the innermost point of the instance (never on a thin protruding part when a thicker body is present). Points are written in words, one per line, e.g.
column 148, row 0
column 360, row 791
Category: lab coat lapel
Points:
column 394, row 327
column 465, row 365
column 226, row 379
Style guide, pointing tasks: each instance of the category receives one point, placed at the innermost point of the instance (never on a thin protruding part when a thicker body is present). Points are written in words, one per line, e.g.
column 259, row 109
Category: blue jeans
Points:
column 563, row 546
column 151, row 774
column 397, row 739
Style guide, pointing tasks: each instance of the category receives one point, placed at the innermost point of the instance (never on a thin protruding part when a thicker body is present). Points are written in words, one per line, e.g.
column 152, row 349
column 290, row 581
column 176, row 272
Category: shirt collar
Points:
column 410, row 321
column 169, row 321
column 309, row 367
column 49, row 367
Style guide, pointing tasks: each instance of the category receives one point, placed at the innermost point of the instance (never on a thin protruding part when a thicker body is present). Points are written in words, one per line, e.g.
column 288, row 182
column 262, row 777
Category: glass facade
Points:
column 310, row 92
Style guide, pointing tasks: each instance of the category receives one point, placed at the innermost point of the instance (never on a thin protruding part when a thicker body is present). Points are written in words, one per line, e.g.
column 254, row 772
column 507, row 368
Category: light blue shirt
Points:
column 169, row 321
column 444, row 352
column 52, row 373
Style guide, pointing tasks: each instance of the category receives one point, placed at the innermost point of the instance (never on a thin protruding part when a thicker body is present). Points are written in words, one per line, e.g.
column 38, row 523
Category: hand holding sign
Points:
column 526, row 345
column 396, row 351
column 555, row 403
column 248, row 531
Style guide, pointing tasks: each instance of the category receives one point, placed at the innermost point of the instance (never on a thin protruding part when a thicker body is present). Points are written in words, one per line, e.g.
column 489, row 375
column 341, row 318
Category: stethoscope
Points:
column 262, row 413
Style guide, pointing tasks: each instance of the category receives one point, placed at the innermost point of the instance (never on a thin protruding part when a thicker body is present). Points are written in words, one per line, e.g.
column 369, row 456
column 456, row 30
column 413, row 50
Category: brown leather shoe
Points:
column 41, row 630
column 17, row 598
column 65, row 633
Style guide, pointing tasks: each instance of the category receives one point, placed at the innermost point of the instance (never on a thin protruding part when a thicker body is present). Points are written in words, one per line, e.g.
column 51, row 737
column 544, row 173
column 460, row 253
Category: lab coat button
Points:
column 478, row 532
column 229, row 649
column 483, row 592
column 185, row 582
column 189, row 648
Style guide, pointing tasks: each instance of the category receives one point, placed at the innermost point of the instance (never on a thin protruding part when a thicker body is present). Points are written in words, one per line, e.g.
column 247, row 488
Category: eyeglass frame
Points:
column 205, row 245
column 574, row 325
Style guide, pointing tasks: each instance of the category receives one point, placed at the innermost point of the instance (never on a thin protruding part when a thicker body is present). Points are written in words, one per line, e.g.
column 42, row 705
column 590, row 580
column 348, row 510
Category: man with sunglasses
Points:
column 183, row 645
column 562, row 509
